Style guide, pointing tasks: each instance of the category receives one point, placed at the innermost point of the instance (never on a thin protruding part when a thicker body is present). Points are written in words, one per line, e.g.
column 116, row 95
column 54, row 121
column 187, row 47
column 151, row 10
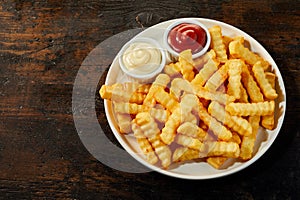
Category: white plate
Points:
column 200, row 170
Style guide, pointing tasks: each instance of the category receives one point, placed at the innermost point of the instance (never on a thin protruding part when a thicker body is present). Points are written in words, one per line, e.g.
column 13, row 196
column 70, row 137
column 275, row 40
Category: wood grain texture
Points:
column 42, row 46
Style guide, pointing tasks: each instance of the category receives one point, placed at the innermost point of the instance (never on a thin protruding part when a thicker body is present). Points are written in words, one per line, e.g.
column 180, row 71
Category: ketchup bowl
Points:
column 142, row 58
column 186, row 34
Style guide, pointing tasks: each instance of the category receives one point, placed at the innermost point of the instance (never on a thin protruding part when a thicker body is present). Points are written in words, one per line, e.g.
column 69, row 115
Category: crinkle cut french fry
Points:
column 268, row 121
column 165, row 99
column 129, row 108
column 234, row 78
column 186, row 64
column 168, row 133
column 251, row 109
column 144, row 125
column 147, row 124
column 147, row 150
column 214, row 96
column 144, row 144
column 248, row 142
column 236, row 123
column 188, row 141
column 216, row 162
column 251, row 86
column 172, row 69
column 237, row 50
column 106, row 91
column 227, row 40
column 162, row 151
column 124, row 122
column 188, row 104
column 217, row 79
column 186, row 55
column 118, row 91
column 184, row 154
column 161, row 81
column 205, row 73
column 124, row 92
column 218, row 129
column 264, row 84
column 191, row 130
column 131, row 92
column 220, row 148
column 179, row 85
column 217, row 43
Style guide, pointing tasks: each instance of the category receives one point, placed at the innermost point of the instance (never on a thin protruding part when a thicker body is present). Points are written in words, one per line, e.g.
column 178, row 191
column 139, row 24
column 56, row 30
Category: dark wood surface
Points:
column 42, row 46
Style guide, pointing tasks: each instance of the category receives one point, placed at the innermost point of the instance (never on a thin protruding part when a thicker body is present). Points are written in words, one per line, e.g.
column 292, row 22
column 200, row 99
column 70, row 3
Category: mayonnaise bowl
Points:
column 142, row 58
column 185, row 34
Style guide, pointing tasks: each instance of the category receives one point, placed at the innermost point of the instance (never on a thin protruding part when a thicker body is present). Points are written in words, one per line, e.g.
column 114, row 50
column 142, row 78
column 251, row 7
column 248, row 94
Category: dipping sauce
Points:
column 142, row 57
column 187, row 36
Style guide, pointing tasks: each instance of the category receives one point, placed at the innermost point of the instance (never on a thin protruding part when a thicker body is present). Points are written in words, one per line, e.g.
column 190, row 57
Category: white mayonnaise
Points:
column 142, row 57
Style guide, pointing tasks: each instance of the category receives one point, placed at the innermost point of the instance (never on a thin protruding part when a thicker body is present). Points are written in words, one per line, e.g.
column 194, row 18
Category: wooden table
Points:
column 42, row 46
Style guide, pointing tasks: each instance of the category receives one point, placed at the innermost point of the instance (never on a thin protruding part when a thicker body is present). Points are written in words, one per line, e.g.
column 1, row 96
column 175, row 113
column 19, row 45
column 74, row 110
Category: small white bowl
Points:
column 187, row 21
column 133, row 73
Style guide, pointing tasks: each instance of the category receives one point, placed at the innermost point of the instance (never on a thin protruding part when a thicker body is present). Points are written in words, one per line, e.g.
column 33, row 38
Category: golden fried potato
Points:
column 251, row 109
column 192, row 130
column 234, row 78
column 184, row 154
column 124, row 122
column 248, row 142
column 216, row 162
column 238, row 124
column 221, row 148
column 268, row 121
column 217, row 43
column 214, row 96
column 147, row 124
column 169, row 131
column 237, row 50
column 131, row 92
column 219, row 130
column 186, row 64
column 188, row 141
column 147, row 150
column 217, row 79
column 160, row 82
column 266, row 88
column 166, row 99
column 162, row 150
column 251, row 86
column 205, row 73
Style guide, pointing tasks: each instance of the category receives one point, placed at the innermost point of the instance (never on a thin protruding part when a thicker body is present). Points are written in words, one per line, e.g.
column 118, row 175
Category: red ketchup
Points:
column 187, row 36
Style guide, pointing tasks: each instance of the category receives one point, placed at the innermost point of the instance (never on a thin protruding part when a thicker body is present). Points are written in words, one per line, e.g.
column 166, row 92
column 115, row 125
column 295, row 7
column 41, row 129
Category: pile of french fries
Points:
column 205, row 109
